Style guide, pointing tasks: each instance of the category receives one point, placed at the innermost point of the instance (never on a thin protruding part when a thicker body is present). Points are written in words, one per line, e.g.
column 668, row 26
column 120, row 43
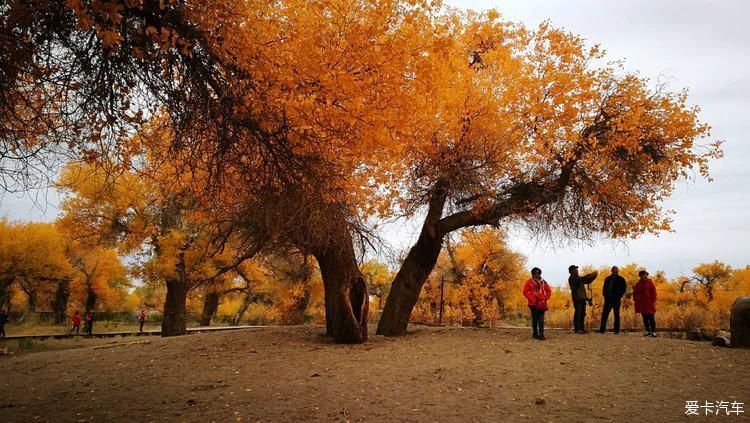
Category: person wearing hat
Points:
column 577, row 285
column 537, row 291
column 644, row 297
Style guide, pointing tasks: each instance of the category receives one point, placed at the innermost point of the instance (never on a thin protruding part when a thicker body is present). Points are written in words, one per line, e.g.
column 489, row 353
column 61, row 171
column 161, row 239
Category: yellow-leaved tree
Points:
column 32, row 256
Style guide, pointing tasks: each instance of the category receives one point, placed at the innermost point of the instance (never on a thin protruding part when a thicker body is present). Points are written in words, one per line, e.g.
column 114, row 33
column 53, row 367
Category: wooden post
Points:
column 442, row 285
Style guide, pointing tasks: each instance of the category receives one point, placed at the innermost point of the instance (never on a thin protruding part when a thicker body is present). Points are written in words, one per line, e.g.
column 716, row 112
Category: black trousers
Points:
column 2, row 330
column 89, row 329
column 75, row 328
column 579, row 316
column 649, row 322
column 140, row 329
column 610, row 306
column 537, row 321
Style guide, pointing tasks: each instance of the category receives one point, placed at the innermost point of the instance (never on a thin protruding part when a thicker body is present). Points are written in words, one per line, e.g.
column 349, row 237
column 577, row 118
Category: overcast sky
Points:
column 701, row 45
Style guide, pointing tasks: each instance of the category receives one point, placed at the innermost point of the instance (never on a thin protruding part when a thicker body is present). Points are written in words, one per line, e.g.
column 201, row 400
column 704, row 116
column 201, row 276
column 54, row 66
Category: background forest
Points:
column 48, row 274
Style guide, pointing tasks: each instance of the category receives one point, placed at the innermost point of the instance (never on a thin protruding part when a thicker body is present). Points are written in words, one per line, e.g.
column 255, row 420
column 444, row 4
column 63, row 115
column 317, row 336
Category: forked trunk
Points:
column 175, row 311
column 210, row 305
column 408, row 283
column 347, row 303
column 60, row 304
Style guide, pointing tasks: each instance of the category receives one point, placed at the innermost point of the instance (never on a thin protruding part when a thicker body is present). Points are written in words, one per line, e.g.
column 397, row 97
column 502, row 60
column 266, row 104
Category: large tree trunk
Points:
column 243, row 308
column 210, row 305
column 90, row 299
column 60, row 303
column 739, row 322
column 174, row 322
column 408, row 282
column 347, row 303
column 32, row 301
column 5, row 293
column 328, row 299
column 321, row 228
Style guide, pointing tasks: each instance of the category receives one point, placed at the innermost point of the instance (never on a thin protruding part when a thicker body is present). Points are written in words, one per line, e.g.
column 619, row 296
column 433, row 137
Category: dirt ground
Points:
column 433, row 374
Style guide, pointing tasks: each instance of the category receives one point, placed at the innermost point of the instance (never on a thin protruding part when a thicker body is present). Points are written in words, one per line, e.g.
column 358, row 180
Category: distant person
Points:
column 537, row 291
column 644, row 297
column 90, row 323
column 578, row 292
column 613, row 290
column 3, row 321
column 141, row 320
column 76, row 320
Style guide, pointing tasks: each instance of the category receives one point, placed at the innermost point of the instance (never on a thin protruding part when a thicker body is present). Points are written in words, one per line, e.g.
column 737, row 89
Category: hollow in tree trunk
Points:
column 175, row 311
column 347, row 303
column 210, row 305
column 60, row 304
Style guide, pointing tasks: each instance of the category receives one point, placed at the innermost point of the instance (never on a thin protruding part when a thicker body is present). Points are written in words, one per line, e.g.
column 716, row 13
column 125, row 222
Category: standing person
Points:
column 3, row 321
column 644, row 297
column 76, row 320
column 578, row 292
column 141, row 320
column 537, row 291
column 89, row 323
column 612, row 291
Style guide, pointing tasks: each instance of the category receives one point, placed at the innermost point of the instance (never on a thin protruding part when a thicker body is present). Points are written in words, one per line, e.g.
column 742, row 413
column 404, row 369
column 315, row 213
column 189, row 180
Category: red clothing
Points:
column 534, row 291
column 644, row 297
column 76, row 319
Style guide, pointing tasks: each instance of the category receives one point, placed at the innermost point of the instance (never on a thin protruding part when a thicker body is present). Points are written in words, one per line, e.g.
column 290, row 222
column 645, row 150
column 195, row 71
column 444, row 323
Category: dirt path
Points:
column 433, row 374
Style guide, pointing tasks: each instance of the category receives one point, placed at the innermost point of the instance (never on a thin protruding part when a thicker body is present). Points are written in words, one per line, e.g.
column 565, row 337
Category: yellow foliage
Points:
column 482, row 281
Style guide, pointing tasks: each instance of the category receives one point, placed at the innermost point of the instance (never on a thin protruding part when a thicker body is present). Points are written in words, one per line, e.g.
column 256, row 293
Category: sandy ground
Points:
column 433, row 374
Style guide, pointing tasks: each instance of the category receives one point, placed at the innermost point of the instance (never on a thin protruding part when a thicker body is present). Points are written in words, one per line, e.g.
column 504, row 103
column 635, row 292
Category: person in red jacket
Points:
column 537, row 291
column 76, row 320
column 644, row 297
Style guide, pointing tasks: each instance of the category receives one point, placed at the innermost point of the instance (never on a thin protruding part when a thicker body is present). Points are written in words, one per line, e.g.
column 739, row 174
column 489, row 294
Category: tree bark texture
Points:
column 210, row 305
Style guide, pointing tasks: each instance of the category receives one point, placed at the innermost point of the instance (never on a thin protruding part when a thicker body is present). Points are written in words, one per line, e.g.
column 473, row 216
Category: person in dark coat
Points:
column 3, row 321
column 141, row 320
column 577, row 285
column 644, row 298
column 613, row 290
column 89, row 323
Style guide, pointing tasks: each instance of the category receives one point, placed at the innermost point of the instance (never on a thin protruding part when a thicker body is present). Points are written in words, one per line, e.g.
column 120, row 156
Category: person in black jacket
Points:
column 89, row 325
column 613, row 290
column 578, row 292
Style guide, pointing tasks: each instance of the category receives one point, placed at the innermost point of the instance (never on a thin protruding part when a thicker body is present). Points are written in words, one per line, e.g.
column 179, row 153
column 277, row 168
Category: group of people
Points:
column 76, row 319
column 88, row 328
column 538, row 292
